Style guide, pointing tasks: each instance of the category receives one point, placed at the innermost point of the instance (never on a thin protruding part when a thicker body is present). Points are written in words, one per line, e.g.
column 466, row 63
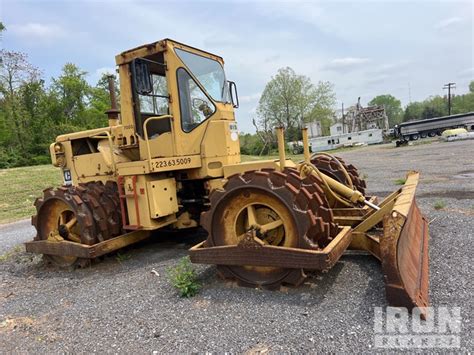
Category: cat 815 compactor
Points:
column 170, row 158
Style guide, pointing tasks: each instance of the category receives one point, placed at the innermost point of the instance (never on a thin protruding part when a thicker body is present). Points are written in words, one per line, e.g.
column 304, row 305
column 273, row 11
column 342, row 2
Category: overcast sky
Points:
column 404, row 48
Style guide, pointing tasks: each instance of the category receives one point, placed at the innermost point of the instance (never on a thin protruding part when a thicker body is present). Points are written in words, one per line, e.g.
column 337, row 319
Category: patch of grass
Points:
column 122, row 257
column 365, row 176
column 400, row 181
column 19, row 188
column 183, row 277
column 439, row 205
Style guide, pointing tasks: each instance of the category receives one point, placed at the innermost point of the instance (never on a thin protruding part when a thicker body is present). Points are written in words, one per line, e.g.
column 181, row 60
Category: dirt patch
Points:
column 9, row 324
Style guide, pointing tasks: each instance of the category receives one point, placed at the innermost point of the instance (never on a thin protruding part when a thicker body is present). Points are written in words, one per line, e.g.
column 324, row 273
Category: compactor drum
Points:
column 170, row 157
column 277, row 208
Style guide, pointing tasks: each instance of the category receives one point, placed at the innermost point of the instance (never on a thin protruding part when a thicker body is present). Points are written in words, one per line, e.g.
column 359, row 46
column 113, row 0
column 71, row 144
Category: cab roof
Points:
column 158, row 46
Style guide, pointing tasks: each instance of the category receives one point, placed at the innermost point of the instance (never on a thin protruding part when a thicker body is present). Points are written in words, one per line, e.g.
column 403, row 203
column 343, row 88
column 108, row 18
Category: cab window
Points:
column 150, row 94
column 208, row 72
column 194, row 105
column 155, row 104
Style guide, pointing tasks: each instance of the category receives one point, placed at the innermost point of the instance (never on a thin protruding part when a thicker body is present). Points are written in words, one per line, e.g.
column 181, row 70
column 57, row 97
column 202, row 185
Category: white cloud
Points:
column 346, row 64
column 250, row 98
column 34, row 31
column 448, row 22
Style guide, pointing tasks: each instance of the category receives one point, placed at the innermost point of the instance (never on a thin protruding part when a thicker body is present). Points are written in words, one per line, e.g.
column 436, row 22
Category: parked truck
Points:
column 431, row 127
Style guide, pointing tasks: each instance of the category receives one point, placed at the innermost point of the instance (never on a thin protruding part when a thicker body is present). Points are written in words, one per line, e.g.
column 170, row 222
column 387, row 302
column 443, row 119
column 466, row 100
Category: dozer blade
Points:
column 404, row 250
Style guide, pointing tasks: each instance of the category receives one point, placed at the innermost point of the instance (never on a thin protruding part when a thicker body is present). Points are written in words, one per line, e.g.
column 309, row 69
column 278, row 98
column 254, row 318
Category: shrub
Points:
column 439, row 205
column 183, row 278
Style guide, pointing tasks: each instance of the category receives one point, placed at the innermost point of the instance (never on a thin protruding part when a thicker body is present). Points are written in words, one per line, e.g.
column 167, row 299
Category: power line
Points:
column 449, row 86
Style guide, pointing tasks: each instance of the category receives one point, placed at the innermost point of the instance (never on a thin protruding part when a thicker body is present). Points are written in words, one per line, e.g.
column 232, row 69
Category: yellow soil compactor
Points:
column 170, row 158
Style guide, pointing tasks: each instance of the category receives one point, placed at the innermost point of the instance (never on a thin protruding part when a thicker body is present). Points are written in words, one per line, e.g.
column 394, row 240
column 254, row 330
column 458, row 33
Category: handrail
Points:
column 145, row 131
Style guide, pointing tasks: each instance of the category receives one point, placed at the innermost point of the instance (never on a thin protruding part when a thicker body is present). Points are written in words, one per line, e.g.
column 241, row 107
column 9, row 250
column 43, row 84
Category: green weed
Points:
column 122, row 257
column 183, row 278
column 400, row 181
column 11, row 253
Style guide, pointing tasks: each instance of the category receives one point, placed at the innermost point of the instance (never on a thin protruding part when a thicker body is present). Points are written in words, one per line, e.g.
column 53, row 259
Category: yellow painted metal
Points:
column 145, row 130
column 111, row 147
column 141, row 195
column 281, row 147
column 334, row 186
column 162, row 197
column 159, row 165
column 306, row 153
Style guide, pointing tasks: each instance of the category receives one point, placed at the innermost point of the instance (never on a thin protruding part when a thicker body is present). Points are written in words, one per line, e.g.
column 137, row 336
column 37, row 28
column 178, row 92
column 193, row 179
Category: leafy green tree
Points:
column 393, row 108
column 32, row 115
column 15, row 73
column 413, row 111
column 99, row 102
column 464, row 103
column 289, row 100
column 435, row 106
column 250, row 144
column 72, row 92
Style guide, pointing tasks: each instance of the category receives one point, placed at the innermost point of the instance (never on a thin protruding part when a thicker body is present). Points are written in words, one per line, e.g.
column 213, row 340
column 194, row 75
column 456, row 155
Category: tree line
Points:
column 33, row 113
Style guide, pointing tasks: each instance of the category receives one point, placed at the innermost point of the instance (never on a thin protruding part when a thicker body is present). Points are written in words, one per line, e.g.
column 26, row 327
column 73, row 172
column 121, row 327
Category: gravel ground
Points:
column 119, row 305
column 12, row 234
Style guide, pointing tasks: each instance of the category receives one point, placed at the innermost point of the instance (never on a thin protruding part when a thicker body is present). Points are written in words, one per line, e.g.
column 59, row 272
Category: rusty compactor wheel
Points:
column 281, row 208
column 85, row 214
column 331, row 166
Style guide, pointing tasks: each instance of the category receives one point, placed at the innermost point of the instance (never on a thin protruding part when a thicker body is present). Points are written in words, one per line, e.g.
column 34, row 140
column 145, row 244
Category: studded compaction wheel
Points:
column 331, row 166
column 85, row 214
column 281, row 208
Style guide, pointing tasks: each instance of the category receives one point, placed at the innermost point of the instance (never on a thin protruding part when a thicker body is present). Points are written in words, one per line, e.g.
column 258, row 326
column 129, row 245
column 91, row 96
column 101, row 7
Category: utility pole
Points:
column 449, row 86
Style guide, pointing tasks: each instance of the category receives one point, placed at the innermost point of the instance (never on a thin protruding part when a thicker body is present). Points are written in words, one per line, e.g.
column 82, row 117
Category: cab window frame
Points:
column 138, row 114
column 198, row 84
column 225, row 96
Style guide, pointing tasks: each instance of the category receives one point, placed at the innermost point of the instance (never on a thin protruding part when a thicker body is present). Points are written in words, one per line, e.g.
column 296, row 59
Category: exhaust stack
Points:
column 113, row 113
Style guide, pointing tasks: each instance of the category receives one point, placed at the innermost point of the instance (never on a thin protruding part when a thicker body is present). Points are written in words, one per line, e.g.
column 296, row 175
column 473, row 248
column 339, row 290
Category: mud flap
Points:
column 404, row 251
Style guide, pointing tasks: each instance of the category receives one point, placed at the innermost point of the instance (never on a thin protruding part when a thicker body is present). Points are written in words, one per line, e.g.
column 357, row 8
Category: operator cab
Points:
column 199, row 80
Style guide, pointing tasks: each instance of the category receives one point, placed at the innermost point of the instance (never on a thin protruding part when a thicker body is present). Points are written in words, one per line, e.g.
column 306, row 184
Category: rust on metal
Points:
column 404, row 250
column 64, row 247
column 254, row 253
